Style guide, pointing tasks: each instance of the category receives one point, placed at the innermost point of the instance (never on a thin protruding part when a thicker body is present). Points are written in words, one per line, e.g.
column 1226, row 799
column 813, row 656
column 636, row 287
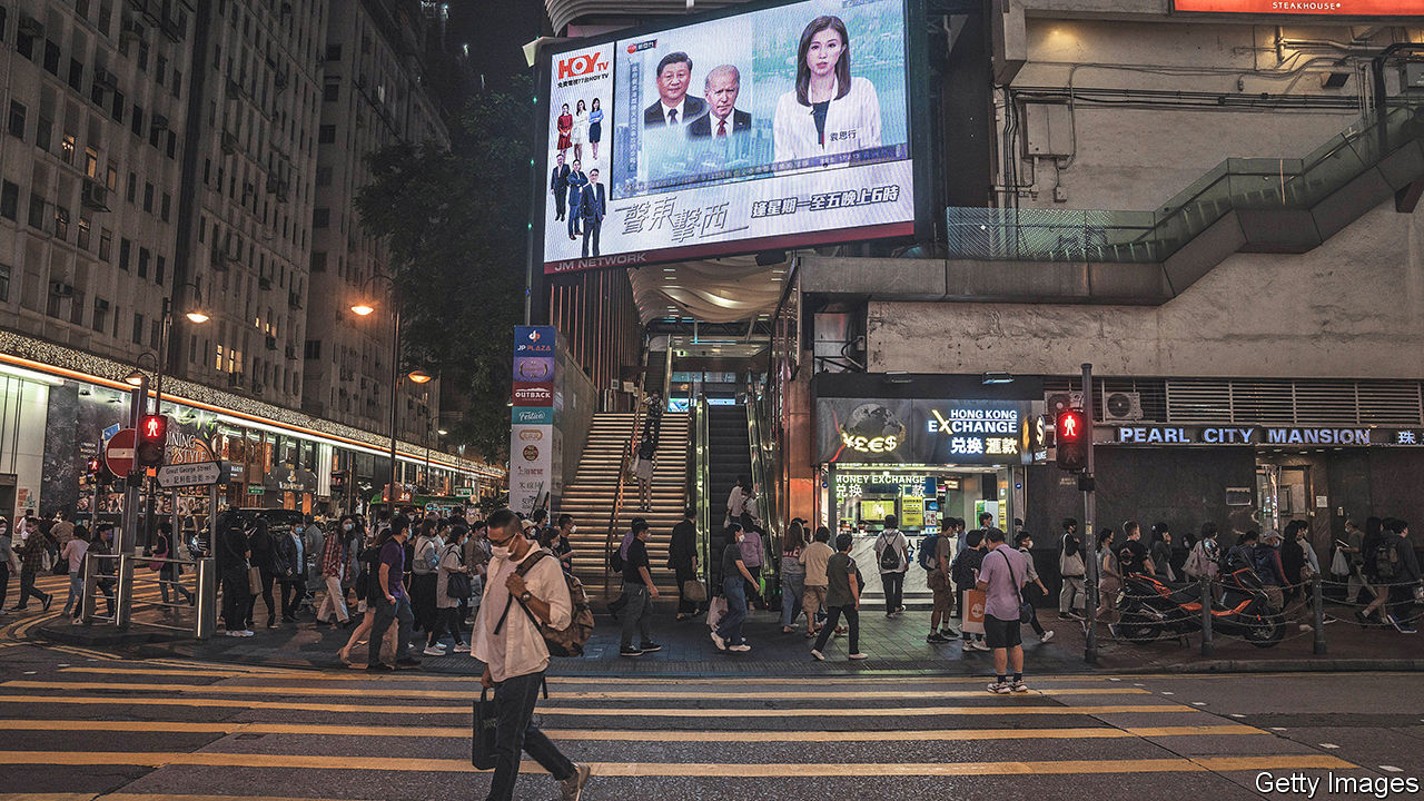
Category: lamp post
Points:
column 366, row 308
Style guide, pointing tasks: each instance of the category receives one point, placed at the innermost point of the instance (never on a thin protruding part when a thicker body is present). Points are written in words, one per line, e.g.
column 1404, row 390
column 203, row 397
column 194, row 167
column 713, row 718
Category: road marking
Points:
column 411, row 709
column 390, row 764
column 1391, row 769
column 621, row 735
column 459, row 695
column 1330, row 746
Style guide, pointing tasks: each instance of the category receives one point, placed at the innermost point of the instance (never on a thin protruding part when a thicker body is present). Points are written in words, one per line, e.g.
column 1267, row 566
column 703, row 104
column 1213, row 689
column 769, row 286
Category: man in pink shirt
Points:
column 1001, row 578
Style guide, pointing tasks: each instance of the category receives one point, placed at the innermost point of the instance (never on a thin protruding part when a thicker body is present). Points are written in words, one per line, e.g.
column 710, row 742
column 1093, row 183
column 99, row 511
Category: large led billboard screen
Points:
column 781, row 127
column 1329, row 8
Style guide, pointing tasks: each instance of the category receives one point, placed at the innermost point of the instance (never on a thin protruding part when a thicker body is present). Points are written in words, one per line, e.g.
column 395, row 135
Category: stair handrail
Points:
column 623, row 461
column 761, row 477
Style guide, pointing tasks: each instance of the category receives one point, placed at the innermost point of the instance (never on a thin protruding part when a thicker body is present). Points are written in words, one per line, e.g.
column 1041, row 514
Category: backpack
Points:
column 929, row 559
column 1387, row 558
column 615, row 558
column 961, row 571
column 560, row 642
column 889, row 557
column 1196, row 565
column 1261, row 562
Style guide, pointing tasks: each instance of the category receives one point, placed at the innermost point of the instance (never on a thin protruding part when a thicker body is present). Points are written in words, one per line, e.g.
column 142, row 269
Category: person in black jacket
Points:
column 233, row 551
column 682, row 559
column 289, row 568
column 966, row 562
column 259, row 545
column 1396, row 558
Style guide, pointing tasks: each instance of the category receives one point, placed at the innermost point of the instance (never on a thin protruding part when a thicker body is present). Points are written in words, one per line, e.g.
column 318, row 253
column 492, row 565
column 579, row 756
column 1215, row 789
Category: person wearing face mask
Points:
column 7, row 560
column 392, row 604
column 32, row 550
column 558, row 542
column 516, row 656
column 735, row 580
column 333, row 571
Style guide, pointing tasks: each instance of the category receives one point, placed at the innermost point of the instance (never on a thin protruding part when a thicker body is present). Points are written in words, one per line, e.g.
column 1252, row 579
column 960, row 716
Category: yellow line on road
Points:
column 389, row 764
column 463, row 695
column 1006, row 706
column 622, row 735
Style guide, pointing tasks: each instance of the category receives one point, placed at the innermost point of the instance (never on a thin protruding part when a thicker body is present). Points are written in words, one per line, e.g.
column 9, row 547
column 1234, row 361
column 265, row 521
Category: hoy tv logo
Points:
column 582, row 64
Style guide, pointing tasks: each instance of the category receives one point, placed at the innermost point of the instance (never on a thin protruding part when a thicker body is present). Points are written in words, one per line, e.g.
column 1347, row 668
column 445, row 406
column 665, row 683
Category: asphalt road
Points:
column 81, row 725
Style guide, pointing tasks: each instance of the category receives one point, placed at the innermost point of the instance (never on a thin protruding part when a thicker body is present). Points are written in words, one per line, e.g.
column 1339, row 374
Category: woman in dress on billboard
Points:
column 828, row 111
column 580, row 132
column 566, row 126
column 595, row 127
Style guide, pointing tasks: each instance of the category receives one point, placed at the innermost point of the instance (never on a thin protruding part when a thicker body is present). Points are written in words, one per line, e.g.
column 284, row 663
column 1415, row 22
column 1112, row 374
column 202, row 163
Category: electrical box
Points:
column 1412, row 77
column 1048, row 130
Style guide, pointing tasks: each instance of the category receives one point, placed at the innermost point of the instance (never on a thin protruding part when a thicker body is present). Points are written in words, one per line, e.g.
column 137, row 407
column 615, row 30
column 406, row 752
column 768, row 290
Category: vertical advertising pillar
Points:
column 531, row 430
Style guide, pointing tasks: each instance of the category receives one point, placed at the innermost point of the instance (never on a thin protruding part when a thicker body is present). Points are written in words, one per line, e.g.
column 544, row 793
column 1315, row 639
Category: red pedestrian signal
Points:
column 152, row 440
column 1070, row 439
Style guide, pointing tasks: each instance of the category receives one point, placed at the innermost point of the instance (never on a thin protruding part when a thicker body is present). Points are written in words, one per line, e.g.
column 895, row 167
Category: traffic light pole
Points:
column 1090, row 534
column 129, row 526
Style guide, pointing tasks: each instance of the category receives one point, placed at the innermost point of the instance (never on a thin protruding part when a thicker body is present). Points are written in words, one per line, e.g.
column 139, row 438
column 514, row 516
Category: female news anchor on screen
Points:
column 828, row 111
column 566, row 126
column 580, row 132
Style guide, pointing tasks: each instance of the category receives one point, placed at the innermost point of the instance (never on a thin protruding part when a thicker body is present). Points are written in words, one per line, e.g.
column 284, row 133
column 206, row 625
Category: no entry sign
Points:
column 119, row 453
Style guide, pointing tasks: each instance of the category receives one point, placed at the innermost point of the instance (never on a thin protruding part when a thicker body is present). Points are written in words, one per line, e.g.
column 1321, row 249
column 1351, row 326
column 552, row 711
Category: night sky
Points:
column 495, row 31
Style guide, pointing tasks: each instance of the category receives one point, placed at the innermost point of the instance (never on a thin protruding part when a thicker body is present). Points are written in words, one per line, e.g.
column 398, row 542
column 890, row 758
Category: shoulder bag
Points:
column 1025, row 608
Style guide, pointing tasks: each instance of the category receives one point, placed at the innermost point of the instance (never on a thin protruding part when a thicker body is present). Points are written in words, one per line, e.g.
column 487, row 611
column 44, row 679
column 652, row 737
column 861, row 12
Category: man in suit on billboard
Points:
column 723, row 118
column 559, row 185
column 591, row 208
column 673, row 107
column 577, row 180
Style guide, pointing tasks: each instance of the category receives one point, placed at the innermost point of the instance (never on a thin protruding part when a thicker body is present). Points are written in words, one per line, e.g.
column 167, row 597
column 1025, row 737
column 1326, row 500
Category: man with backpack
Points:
column 1398, row 569
column 934, row 558
column 513, row 648
column 892, row 553
column 1073, row 596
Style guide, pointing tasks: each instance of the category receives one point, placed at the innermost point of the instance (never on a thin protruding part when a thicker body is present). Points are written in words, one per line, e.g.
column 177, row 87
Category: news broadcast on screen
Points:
column 776, row 128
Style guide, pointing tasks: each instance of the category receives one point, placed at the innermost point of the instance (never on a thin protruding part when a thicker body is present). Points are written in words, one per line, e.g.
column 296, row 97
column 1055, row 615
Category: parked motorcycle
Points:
column 1240, row 607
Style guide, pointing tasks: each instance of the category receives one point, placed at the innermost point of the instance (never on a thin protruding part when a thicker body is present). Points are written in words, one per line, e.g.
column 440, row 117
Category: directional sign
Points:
column 464, row 492
column 195, row 474
column 119, row 453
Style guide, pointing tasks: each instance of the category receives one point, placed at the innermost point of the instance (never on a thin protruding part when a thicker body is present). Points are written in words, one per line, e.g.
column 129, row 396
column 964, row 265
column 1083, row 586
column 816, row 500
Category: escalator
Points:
column 728, row 455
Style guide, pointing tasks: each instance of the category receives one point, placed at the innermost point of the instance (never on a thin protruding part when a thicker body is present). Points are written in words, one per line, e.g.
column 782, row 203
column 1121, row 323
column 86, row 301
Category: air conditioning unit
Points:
column 1058, row 401
column 29, row 26
column 1122, row 407
column 60, row 289
column 271, row 343
column 106, row 79
column 94, row 196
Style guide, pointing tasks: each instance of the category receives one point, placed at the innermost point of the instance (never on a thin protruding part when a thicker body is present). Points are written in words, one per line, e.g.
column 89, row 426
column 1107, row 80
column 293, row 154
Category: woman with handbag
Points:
column 452, row 585
column 793, row 576
column 1110, row 584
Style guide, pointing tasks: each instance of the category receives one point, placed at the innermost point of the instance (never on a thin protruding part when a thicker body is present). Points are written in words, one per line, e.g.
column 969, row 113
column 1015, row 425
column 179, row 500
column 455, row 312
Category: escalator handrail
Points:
column 703, row 485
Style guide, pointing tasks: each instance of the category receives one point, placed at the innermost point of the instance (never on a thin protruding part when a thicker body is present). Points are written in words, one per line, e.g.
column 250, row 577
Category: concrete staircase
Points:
column 591, row 495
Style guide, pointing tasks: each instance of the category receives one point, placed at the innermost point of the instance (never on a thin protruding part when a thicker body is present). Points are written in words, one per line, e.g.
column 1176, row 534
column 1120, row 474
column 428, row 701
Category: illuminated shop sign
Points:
column 1259, row 435
column 970, row 432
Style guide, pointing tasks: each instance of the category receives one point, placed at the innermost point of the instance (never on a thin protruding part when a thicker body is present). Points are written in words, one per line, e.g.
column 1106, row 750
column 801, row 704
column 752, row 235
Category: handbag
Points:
column 482, row 741
column 1025, row 608
column 458, row 586
column 1340, row 565
column 716, row 608
column 254, row 580
column 694, row 591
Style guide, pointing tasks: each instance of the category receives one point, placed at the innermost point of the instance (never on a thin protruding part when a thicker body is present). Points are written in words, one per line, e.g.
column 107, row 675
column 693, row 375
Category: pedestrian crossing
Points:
column 184, row 731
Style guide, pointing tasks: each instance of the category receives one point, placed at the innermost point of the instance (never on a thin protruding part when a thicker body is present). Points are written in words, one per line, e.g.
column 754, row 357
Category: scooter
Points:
column 1150, row 608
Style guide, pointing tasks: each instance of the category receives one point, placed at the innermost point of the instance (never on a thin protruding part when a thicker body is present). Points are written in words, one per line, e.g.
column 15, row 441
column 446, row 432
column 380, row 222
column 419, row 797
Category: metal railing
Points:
column 152, row 600
column 702, row 484
column 1147, row 237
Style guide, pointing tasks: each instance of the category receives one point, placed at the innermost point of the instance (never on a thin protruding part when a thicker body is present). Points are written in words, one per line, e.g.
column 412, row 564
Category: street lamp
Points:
column 366, row 308
column 419, row 377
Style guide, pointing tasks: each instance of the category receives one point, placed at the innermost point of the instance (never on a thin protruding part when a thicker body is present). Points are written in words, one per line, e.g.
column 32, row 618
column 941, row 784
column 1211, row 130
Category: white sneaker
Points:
column 1047, row 635
column 719, row 642
column 817, row 655
column 234, row 633
column 434, row 651
column 247, row 633
column 1000, row 687
column 858, row 656
column 978, row 645
column 1019, row 686
column 741, row 649
column 462, row 649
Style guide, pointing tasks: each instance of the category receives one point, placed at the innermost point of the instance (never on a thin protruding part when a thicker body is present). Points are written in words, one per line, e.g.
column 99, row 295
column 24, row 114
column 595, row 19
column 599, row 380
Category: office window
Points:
column 9, row 200
column 4, row 283
column 125, row 251
column 84, row 233
column 111, row 178
column 155, row 334
column 76, row 75
column 81, row 7
column 133, row 187
column 154, row 135
column 53, row 305
column 44, row 131
column 333, row 52
column 166, row 207
column 143, row 258
column 25, row 45
column 67, row 146
column 312, row 349
column 106, row 244
column 177, row 82
column 17, row 119
column 136, row 122
column 37, row 205
column 160, row 271
column 318, row 262
column 91, row 162
column 147, row 197
column 61, row 222
column 76, row 308
column 106, row 15
column 323, row 176
column 138, row 329
column 172, row 148
column 321, row 218
column 160, row 73
column 51, row 57
column 326, row 135
column 118, row 106
column 143, row 51
column 101, row 314
column 331, row 91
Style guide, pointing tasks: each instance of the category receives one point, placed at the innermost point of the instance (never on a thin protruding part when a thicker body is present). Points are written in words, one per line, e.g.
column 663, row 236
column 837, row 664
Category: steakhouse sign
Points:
column 1326, row 8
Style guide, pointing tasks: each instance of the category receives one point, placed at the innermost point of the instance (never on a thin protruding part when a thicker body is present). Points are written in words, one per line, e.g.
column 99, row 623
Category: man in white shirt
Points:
column 515, row 656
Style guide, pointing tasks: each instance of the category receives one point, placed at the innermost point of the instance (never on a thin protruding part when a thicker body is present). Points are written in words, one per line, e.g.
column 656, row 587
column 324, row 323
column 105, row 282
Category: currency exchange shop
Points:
column 924, row 461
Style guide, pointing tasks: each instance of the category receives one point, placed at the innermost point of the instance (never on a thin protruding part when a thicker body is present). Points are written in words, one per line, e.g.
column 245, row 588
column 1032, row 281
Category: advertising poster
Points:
column 1328, row 8
column 532, row 448
column 969, row 432
column 775, row 128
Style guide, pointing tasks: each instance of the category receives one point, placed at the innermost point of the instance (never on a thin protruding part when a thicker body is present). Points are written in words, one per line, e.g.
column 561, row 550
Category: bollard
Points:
column 206, row 604
column 88, row 601
column 1207, row 647
column 124, row 602
column 1318, row 599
